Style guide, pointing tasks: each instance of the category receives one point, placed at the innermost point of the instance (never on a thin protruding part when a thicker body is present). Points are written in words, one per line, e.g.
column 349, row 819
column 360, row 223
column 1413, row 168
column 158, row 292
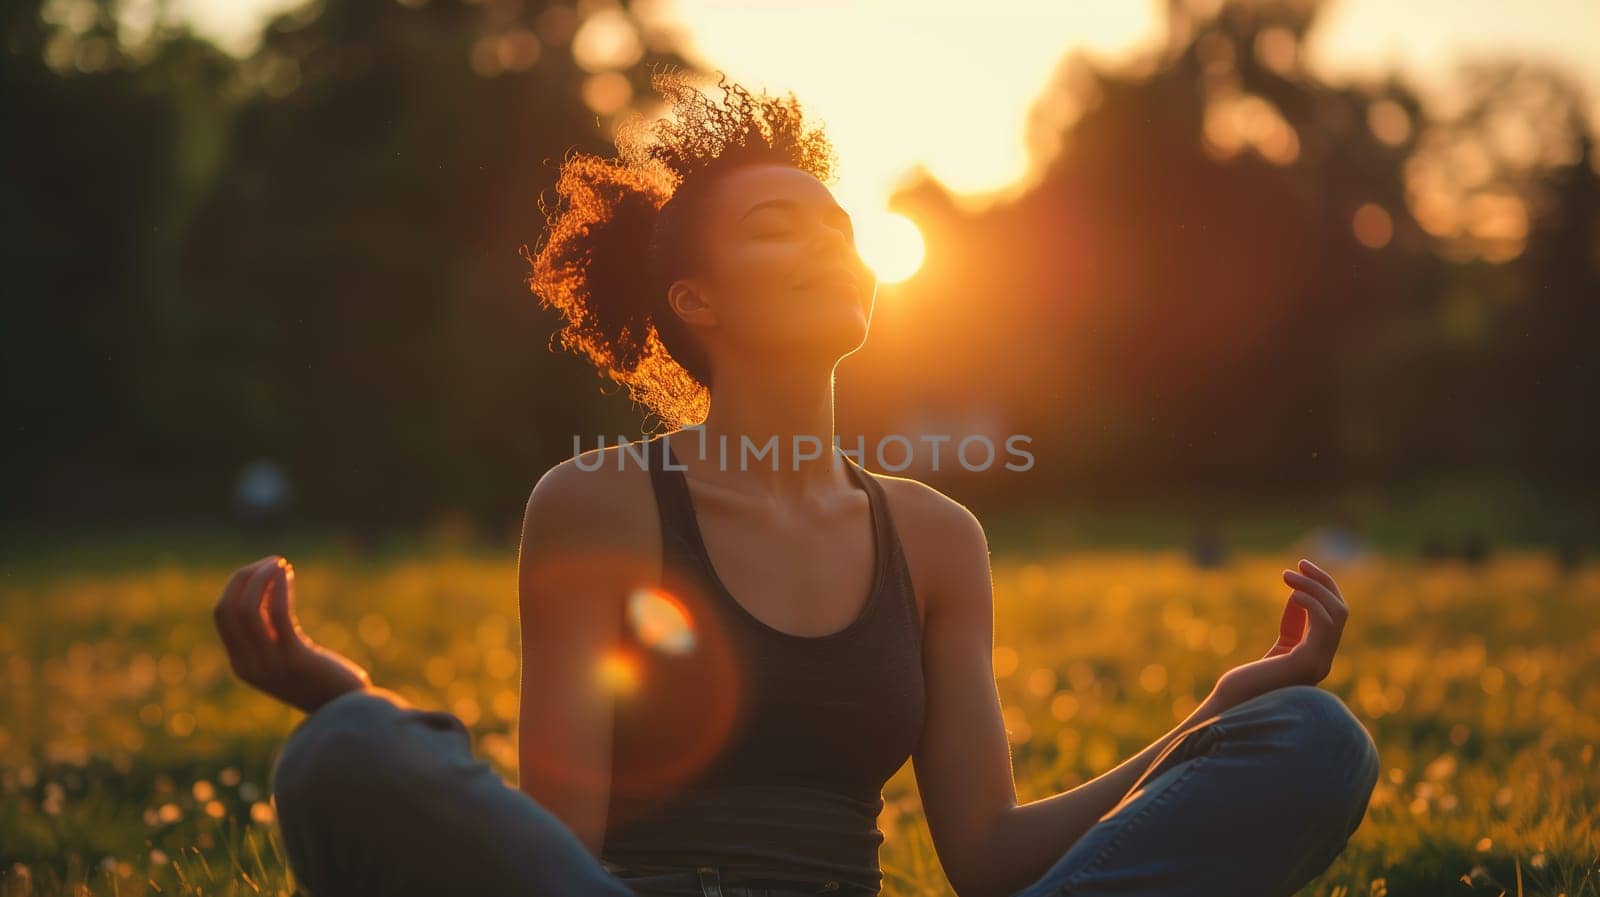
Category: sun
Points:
column 891, row 245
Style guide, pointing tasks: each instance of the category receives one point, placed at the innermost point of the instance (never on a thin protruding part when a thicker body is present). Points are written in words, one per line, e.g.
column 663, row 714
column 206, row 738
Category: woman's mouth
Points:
column 833, row 279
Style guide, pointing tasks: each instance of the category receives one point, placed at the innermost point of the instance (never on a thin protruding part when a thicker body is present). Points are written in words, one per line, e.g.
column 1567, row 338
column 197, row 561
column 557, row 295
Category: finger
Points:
column 230, row 591
column 1322, row 638
column 1320, row 575
column 1292, row 628
column 235, row 582
column 280, row 605
column 235, row 636
column 1335, row 605
column 247, row 609
column 220, row 613
column 236, row 642
column 1322, row 629
column 1314, row 586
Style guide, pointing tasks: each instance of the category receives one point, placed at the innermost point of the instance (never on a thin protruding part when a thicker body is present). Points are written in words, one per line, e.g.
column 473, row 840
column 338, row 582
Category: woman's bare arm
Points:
column 1033, row 836
column 584, row 545
column 1028, row 839
column 988, row 845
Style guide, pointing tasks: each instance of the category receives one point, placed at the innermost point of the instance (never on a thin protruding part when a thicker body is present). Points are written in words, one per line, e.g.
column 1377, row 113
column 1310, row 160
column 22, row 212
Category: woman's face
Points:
column 783, row 279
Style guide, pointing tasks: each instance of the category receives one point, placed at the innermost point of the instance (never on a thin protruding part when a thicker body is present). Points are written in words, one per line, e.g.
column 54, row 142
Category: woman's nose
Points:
column 838, row 239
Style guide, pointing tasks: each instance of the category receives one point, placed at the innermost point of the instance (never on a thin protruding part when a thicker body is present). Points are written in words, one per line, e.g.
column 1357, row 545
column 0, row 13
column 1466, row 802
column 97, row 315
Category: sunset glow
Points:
column 908, row 84
column 891, row 244
column 930, row 84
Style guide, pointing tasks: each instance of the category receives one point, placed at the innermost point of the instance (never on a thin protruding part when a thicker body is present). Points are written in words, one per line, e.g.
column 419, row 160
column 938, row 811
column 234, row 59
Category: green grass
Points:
column 132, row 763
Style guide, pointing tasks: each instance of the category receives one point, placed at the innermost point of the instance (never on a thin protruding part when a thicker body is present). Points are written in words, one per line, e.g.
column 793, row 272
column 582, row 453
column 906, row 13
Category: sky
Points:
column 837, row 56
column 1355, row 38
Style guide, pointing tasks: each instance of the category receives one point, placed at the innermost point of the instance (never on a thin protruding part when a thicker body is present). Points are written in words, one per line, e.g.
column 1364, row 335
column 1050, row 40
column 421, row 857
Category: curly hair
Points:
column 625, row 228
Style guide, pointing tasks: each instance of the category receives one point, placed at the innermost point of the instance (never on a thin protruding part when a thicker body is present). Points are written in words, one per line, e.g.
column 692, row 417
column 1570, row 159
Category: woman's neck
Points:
column 766, row 417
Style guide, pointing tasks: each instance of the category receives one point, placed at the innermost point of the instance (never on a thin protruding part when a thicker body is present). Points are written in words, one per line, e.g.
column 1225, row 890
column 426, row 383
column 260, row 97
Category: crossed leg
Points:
column 1253, row 802
column 376, row 798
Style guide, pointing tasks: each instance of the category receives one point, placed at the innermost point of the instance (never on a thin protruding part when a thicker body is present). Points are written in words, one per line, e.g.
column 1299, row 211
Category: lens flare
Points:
column 661, row 621
column 618, row 672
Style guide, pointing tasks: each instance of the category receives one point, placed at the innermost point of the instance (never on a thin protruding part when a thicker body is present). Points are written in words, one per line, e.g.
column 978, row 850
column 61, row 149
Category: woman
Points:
column 678, row 740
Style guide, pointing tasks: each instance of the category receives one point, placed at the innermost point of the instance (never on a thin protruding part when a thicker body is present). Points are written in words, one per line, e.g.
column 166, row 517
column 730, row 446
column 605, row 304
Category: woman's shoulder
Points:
column 914, row 503
column 601, row 494
column 938, row 534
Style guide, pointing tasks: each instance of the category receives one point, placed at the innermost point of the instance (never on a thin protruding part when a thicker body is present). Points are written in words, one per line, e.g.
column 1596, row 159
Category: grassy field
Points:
column 134, row 764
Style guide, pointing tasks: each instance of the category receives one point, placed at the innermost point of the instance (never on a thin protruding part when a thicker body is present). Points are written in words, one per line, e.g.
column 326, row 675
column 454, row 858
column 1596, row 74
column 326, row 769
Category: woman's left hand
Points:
column 1308, row 635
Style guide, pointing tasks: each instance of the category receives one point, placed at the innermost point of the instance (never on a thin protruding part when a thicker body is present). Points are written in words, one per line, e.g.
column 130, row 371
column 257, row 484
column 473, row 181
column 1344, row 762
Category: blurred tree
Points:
column 107, row 160
column 1230, row 274
column 1222, row 272
column 322, row 252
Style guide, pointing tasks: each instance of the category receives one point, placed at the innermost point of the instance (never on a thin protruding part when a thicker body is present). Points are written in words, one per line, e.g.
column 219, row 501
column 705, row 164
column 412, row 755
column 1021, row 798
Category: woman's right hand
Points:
column 266, row 646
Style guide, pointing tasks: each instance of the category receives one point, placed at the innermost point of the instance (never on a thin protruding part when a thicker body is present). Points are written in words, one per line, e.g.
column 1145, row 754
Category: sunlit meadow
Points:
column 133, row 763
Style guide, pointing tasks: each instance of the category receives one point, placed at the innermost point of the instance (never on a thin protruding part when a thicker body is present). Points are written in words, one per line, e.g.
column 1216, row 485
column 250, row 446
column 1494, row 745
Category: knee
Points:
column 1335, row 759
column 334, row 754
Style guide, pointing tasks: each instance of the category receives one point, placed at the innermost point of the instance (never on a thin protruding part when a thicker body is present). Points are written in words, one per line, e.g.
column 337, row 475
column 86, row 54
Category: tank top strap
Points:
column 683, row 551
column 673, row 508
column 875, row 494
column 898, row 588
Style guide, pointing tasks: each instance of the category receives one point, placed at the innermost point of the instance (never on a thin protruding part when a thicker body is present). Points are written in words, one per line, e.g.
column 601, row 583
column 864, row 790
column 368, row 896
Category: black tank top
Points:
column 741, row 746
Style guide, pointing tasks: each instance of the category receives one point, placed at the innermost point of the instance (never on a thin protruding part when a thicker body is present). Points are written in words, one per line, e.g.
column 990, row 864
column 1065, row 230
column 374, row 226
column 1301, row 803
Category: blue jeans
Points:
column 1253, row 802
column 375, row 799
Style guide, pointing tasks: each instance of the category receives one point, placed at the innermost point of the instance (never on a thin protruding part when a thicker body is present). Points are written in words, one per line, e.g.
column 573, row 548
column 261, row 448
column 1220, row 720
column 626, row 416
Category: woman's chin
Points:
column 830, row 342
column 851, row 328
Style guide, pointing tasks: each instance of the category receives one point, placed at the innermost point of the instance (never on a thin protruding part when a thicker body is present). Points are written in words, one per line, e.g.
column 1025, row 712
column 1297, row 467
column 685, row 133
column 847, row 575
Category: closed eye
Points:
column 773, row 218
column 772, row 224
